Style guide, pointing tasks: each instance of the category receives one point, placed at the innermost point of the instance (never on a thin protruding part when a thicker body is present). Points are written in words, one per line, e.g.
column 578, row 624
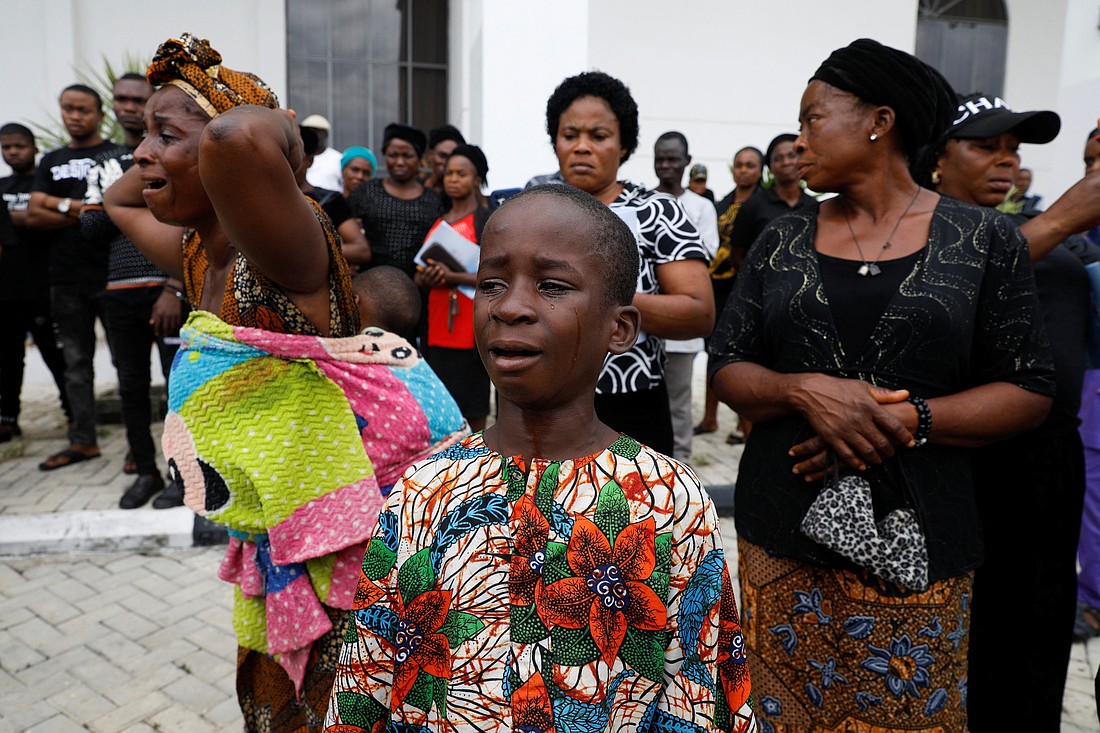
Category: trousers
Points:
column 75, row 308
column 131, row 336
column 20, row 317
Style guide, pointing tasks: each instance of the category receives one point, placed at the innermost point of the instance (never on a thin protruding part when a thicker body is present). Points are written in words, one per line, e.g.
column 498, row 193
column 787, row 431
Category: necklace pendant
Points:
column 864, row 270
column 873, row 269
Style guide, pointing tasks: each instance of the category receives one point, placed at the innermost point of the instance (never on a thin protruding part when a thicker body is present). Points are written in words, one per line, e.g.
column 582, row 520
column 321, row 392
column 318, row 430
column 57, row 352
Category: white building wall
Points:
column 43, row 42
column 1054, row 63
column 727, row 73
column 517, row 54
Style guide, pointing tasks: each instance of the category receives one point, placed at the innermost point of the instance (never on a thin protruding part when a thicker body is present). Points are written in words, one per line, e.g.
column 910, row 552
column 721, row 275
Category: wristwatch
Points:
column 63, row 205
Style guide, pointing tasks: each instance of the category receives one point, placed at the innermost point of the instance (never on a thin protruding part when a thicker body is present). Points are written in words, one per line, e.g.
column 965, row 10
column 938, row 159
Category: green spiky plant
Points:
column 54, row 135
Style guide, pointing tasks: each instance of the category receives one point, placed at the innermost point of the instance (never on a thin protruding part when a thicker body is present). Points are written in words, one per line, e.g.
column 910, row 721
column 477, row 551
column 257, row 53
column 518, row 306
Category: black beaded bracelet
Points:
column 924, row 420
column 178, row 293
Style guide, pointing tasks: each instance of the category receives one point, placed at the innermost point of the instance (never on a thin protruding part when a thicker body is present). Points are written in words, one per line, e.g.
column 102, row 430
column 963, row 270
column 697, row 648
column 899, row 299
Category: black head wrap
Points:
column 922, row 100
column 783, row 137
column 473, row 154
column 445, row 132
column 397, row 131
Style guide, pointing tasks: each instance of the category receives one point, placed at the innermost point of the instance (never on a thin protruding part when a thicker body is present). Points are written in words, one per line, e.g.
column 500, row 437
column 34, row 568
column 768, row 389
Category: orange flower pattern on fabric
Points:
column 607, row 595
column 532, row 533
column 500, row 594
column 531, row 707
column 417, row 643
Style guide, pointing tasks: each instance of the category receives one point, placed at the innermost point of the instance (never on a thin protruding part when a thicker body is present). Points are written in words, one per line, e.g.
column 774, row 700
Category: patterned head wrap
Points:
column 195, row 67
column 923, row 102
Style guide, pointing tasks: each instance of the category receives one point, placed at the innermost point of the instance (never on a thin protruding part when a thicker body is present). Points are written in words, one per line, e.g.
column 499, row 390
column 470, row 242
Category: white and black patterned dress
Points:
column 665, row 234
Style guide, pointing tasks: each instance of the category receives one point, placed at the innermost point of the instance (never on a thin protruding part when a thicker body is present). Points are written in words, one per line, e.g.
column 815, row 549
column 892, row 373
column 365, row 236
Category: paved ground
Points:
column 138, row 637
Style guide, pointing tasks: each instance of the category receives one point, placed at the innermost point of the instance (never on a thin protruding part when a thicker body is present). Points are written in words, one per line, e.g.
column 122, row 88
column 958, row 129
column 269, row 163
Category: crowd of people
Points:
column 895, row 348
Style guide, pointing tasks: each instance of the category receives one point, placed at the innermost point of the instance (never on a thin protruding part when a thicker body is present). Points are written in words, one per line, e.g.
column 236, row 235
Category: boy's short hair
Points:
column 14, row 128
column 612, row 239
column 391, row 299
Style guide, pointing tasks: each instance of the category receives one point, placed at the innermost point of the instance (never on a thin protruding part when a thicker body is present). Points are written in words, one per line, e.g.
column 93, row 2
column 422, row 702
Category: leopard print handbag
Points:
column 842, row 519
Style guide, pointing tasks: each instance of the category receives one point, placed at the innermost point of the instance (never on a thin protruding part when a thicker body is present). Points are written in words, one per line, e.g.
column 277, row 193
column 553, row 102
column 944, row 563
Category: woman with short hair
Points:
column 592, row 121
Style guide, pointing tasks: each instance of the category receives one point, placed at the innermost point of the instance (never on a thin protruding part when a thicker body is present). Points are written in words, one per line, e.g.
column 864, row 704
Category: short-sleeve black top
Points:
column 762, row 208
column 332, row 203
column 966, row 315
column 62, row 172
column 25, row 262
column 395, row 228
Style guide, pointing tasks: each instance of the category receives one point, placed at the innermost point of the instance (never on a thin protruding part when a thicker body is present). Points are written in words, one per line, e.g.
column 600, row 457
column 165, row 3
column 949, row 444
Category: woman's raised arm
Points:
column 247, row 158
column 162, row 244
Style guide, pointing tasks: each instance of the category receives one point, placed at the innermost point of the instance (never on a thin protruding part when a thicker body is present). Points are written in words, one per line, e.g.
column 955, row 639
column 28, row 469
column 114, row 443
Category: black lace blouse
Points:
column 966, row 315
column 395, row 228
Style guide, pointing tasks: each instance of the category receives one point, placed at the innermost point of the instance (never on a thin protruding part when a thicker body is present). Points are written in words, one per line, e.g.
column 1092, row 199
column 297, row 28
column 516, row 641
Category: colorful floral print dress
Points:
column 587, row 595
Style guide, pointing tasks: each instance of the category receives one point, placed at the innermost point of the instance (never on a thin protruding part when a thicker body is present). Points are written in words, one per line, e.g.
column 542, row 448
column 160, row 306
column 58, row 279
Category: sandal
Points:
column 735, row 439
column 66, row 457
column 700, row 430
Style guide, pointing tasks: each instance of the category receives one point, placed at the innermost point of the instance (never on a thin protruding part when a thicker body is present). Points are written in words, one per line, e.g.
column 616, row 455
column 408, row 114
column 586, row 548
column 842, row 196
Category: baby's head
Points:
column 388, row 299
column 556, row 279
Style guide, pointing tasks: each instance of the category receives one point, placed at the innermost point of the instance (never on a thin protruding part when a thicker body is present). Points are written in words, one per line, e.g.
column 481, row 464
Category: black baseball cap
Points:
column 986, row 115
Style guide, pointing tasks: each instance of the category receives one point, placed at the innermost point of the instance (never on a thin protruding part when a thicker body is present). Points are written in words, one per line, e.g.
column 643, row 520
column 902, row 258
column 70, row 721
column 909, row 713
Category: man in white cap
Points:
column 325, row 171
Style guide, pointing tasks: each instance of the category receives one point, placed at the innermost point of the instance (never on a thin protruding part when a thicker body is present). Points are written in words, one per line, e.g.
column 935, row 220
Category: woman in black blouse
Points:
column 888, row 292
column 397, row 211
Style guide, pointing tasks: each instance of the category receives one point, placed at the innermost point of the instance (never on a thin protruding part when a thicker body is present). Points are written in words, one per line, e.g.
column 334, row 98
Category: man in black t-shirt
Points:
column 24, row 284
column 77, row 272
column 141, row 305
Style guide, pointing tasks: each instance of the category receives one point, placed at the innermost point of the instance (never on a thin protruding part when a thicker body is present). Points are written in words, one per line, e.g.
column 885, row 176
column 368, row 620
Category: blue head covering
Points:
column 358, row 151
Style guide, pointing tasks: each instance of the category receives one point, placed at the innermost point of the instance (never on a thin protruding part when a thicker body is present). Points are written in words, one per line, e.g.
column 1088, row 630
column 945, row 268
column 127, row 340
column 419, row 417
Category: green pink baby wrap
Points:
column 292, row 442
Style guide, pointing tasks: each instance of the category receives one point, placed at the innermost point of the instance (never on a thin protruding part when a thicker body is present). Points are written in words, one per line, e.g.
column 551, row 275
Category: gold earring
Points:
column 935, row 178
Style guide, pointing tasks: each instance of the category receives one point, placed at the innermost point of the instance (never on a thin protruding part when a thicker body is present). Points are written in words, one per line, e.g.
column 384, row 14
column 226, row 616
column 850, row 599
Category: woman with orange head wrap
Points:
column 218, row 159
